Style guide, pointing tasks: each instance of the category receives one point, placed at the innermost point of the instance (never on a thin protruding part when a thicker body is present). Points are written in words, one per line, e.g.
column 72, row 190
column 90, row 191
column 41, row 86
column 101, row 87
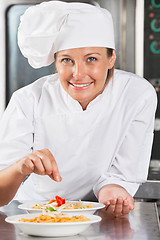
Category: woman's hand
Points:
column 40, row 162
column 117, row 200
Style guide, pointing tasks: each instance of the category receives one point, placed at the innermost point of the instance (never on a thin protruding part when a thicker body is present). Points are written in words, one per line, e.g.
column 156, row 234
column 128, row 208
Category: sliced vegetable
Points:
column 60, row 200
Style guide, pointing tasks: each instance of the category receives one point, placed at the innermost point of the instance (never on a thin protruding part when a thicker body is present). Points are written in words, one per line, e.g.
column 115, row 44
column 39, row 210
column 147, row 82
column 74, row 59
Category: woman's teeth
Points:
column 81, row 85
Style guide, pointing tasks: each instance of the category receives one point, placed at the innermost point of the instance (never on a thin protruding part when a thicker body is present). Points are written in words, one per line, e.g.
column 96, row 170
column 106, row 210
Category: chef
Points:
column 87, row 129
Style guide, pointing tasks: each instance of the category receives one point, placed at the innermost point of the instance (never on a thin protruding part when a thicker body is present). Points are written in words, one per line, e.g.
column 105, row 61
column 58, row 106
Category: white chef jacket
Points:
column 108, row 143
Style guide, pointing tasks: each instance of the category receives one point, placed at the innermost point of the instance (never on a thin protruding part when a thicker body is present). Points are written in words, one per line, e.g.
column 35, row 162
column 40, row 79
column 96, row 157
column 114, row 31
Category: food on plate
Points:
column 57, row 202
column 60, row 203
column 55, row 218
column 77, row 205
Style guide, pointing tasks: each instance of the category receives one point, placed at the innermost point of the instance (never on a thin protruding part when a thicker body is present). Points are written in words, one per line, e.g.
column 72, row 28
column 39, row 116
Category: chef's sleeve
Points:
column 16, row 129
column 129, row 167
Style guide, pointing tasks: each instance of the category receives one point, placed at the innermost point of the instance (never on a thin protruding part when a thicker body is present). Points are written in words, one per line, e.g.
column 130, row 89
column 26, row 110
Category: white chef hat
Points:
column 53, row 26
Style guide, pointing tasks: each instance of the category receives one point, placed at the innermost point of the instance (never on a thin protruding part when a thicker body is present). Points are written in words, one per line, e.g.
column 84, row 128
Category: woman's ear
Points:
column 112, row 60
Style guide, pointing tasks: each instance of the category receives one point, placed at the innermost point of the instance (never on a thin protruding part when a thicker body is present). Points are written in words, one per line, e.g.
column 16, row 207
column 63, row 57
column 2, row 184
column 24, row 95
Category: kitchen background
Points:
column 137, row 36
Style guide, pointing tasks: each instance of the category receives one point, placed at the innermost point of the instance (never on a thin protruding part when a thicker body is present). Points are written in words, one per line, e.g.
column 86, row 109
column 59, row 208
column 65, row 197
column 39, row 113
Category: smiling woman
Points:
column 83, row 72
column 88, row 129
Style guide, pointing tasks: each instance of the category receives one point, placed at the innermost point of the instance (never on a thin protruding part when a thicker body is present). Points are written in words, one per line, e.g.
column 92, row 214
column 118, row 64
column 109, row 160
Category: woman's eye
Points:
column 66, row 60
column 92, row 59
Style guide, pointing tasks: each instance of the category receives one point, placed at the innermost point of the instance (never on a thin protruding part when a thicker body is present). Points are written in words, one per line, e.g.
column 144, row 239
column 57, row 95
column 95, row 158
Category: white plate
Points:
column 51, row 229
column 95, row 206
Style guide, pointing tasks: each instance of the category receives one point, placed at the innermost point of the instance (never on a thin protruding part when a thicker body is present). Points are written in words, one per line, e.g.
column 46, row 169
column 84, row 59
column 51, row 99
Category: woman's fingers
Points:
column 117, row 200
column 131, row 202
column 126, row 208
column 118, row 207
column 111, row 207
column 38, row 163
column 41, row 162
column 51, row 165
column 121, row 207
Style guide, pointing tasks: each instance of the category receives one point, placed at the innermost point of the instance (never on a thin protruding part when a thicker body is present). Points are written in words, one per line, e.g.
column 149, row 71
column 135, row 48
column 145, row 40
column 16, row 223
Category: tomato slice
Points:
column 60, row 200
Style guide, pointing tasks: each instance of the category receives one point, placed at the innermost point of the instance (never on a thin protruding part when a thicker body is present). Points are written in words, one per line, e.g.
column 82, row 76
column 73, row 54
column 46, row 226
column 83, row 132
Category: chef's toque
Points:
column 53, row 26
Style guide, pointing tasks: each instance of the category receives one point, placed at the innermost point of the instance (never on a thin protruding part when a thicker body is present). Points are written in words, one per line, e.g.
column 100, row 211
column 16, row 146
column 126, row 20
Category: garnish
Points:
column 51, row 209
column 60, row 200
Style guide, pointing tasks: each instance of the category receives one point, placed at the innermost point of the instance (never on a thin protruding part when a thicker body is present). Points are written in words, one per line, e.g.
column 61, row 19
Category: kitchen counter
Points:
column 142, row 223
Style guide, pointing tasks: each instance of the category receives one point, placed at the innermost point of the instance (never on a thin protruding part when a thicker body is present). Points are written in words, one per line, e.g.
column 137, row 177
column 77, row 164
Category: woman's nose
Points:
column 78, row 71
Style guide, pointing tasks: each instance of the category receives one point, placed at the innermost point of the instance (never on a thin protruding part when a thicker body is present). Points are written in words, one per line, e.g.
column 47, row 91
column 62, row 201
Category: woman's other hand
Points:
column 117, row 200
column 40, row 162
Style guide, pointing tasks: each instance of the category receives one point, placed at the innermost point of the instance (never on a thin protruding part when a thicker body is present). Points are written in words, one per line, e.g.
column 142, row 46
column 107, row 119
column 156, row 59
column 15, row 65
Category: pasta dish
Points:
column 60, row 203
column 55, row 218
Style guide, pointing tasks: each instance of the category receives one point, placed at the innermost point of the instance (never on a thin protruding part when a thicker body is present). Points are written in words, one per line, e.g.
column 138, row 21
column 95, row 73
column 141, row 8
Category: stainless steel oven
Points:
column 148, row 65
column 137, row 38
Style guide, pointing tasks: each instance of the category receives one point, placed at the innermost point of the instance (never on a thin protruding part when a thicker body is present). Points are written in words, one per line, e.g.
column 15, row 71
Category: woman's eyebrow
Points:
column 92, row 54
column 64, row 55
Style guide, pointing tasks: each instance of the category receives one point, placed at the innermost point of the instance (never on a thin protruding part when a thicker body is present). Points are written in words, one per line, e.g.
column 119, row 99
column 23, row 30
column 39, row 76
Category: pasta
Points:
column 78, row 205
column 66, row 205
column 49, row 219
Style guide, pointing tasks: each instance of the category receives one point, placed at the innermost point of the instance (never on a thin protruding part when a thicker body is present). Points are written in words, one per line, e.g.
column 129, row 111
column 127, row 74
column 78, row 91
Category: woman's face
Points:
column 83, row 72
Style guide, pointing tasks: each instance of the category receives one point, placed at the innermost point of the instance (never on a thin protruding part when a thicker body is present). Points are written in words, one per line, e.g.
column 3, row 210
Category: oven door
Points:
column 147, row 65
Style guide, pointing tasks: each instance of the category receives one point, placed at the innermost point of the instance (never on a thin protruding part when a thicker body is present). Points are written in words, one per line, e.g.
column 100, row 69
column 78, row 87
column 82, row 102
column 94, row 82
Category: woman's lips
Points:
column 80, row 85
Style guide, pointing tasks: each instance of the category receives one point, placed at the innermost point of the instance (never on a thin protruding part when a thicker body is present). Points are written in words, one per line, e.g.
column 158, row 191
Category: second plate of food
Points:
column 77, row 207
column 48, row 226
